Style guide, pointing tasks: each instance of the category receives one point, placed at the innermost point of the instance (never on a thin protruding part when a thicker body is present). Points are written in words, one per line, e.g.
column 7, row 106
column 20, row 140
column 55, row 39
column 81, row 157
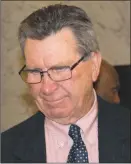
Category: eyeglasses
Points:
column 34, row 76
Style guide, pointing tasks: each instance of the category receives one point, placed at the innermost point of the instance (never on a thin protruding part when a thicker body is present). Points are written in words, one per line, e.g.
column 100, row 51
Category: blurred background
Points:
column 111, row 21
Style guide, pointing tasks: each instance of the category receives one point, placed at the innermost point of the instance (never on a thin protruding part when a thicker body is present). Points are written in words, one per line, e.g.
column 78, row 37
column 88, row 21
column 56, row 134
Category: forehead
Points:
column 113, row 75
column 109, row 76
column 56, row 48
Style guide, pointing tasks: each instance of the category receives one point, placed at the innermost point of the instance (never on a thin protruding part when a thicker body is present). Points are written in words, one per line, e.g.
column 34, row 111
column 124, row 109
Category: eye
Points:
column 115, row 90
column 32, row 71
column 59, row 69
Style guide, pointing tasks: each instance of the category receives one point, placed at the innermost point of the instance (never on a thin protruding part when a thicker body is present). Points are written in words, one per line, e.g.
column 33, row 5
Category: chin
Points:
column 55, row 110
column 57, row 113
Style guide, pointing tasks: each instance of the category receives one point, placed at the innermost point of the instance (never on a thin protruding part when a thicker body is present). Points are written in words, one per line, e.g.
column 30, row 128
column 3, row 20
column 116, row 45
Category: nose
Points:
column 117, row 99
column 48, row 86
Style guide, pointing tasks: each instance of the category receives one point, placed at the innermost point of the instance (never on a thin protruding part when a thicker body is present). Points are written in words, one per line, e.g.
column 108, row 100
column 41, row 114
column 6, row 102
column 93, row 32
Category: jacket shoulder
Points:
column 20, row 128
column 114, row 115
column 12, row 136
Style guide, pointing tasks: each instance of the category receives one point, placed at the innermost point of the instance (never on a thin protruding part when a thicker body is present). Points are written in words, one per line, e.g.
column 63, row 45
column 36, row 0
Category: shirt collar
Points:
column 86, row 124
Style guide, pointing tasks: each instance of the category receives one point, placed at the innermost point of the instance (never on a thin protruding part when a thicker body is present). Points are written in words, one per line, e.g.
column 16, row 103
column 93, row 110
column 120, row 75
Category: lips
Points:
column 54, row 100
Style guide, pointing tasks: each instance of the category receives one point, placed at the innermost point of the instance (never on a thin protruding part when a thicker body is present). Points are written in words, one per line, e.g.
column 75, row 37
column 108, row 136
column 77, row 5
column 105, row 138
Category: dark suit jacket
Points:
column 26, row 142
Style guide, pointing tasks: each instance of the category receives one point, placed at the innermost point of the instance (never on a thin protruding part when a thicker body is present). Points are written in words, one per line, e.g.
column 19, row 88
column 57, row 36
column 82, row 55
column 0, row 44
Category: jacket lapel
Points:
column 31, row 147
column 113, row 139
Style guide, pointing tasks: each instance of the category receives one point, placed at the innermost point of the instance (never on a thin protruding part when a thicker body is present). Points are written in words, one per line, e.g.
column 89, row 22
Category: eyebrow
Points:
column 33, row 69
column 58, row 65
column 62, row 64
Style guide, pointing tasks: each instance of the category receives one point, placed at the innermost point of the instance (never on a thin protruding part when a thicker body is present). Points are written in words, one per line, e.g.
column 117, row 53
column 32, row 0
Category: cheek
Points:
column 85, row 78
column 68, row 87
column 109, row 95
column 79, row 84
column 34, row 89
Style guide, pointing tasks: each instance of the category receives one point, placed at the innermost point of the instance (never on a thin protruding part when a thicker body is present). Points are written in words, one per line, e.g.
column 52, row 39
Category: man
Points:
column 62, row 60
column 124, row 72
column 107, row 85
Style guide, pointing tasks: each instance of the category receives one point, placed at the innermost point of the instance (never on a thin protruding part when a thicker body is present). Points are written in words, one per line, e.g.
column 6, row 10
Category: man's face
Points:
column 108, row 85
column 111, row 94
column 64, row 100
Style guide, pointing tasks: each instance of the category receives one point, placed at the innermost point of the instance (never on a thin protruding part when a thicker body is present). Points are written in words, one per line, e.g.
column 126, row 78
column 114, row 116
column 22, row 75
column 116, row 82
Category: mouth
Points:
column 54, row 101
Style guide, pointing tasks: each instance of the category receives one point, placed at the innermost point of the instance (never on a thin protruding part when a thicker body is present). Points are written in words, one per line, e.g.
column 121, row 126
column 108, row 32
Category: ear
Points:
column 96, row 63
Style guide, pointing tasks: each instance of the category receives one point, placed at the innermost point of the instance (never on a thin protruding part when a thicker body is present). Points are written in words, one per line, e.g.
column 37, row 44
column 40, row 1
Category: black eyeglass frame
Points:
column 42, row 72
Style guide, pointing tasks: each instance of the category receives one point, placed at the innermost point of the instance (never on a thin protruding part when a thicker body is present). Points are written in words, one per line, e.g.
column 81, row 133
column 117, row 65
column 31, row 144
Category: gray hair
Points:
column 47, row 20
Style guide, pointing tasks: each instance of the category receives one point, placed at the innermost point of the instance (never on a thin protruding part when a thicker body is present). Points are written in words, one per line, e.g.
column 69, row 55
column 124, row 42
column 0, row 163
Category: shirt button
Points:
column 61, row 144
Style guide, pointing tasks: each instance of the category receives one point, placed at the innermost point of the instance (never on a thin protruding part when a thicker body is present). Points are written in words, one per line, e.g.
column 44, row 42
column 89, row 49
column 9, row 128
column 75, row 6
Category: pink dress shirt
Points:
column 58, row 142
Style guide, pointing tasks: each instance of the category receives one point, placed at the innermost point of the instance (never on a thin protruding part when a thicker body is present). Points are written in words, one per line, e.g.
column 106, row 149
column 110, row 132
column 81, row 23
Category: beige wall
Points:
column 111, row 22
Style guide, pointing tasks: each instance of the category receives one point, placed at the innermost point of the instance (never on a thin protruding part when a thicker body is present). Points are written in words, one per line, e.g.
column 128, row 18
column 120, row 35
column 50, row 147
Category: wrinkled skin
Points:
column 67, row 101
